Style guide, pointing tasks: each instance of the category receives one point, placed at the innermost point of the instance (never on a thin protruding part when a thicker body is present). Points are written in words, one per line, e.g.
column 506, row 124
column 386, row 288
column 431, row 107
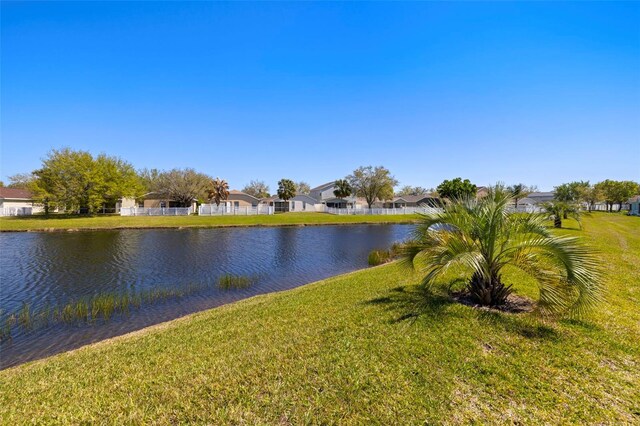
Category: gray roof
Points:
column 413, row 198
column 324, row 186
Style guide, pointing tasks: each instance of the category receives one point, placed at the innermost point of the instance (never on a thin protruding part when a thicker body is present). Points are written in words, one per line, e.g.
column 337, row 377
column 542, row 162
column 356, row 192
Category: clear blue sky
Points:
column 540, row 93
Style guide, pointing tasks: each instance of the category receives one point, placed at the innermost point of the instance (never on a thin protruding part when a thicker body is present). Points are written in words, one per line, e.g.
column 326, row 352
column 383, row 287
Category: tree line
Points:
column 71, row 180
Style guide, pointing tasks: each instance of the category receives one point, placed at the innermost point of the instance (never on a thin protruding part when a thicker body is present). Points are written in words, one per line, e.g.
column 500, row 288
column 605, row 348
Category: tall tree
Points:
column 592, row 195
column 150, row 179
column 75, row 180
column 411, row 190
column 617, row 192
column 286, row 189
column 183, row 185
column 520, row 191
column 21, row 180
column 218, row 190
column 118, row 179
column 372, row 183
column 456, row 189
column 343, row 189
column 257, row 188
column 303, row 188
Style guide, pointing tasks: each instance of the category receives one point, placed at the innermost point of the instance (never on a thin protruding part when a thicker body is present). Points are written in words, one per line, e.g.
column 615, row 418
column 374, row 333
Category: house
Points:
column 324, row 194
column 412, row 201
column 481, row 191
column 17, row 202
column 239, row 199
column 299, row 203
column 540, row 197
column 634, row 206
column 154, row 200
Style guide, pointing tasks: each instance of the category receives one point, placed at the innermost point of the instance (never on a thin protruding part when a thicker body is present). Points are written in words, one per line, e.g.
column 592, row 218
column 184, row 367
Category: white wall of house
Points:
column 6, row 204
column 301, row 206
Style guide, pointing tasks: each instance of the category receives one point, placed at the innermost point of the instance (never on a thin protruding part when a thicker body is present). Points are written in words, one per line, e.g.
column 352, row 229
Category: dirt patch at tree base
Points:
column 515, row 304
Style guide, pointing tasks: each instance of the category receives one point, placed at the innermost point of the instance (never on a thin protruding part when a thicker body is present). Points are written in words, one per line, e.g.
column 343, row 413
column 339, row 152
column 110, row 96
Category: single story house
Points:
column 152, row 200
column 299, row 203
column 412, row 201
column 17, row 202
column 481, row 191
column 540, row 197
column 238, row 199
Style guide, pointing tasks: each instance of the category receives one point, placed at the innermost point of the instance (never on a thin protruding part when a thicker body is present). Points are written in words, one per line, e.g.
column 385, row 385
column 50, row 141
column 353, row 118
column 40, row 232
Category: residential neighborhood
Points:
column 319, row 213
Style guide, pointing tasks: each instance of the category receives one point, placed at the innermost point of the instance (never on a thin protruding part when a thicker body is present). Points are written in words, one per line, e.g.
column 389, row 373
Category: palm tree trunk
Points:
column 488, row 292
column 557, row 221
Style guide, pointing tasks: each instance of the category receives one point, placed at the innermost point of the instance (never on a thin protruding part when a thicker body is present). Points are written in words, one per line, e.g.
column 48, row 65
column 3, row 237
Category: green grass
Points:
column 366, row 347
column 65, row 222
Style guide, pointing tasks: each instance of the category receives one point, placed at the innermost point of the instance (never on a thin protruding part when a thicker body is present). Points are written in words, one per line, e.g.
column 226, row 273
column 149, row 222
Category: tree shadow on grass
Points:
column 413, row 301
column 525, row 326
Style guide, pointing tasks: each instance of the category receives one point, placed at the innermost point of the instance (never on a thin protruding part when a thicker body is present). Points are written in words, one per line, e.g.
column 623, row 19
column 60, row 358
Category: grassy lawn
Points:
column 366, row 347
column 64, row 222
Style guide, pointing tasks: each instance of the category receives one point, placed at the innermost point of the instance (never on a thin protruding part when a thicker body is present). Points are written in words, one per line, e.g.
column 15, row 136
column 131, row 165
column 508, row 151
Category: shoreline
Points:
column 407, row 221
column 171, row 323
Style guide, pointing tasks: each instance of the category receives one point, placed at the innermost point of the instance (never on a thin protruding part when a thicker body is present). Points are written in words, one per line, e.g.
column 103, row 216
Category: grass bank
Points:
column 366, row 347
column 73, row 223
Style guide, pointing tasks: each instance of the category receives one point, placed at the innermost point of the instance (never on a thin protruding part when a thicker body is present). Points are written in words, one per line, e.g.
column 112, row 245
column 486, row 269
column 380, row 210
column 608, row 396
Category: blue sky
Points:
column 540, row 93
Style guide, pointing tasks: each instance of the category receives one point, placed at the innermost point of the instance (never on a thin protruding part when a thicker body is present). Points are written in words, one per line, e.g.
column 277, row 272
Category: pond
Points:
column 164, row 274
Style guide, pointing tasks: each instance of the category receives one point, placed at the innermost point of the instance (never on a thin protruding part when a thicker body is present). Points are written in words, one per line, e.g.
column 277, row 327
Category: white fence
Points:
column 161, row 211
column 526, row 208
column 223, row 210
column 16, row 211
column 380, row 211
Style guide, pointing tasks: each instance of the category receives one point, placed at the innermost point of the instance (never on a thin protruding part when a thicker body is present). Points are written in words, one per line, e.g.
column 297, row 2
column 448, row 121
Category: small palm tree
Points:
column 218, row 191
column 562, row 210
column 482, row 237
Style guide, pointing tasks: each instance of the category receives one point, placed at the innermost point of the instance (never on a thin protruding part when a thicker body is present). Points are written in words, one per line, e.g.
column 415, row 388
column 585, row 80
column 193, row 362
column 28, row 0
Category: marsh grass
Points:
column 235, row 282
column 100, row 307
column 378, row 257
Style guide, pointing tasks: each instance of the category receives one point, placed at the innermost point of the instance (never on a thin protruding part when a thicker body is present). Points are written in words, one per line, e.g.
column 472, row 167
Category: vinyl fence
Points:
column 526, row 208
column 223, row 210
column 16, row 211
column 381, row 211
column 161, row 211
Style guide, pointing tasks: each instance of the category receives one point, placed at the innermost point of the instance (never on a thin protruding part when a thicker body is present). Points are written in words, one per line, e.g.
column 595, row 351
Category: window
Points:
column 236, row 204
column 163, row 204
column 293, row 205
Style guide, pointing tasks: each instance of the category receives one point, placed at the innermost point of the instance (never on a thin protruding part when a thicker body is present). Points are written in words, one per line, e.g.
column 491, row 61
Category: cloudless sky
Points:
column 539, row 93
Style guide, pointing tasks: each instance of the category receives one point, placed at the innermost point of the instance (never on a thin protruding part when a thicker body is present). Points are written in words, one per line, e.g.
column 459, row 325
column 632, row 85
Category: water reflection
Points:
column 55, row 268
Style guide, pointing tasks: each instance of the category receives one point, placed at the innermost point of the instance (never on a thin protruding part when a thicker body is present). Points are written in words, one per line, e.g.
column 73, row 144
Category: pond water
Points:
column 48, row 270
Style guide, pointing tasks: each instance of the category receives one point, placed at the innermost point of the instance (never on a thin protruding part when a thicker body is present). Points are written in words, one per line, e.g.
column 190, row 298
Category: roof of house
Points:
column 306, row 198
column 236, row 192
column 542, row 194
column 413, row 198
column 324, row 186
column 634, row 199
column 15, row 193
column 526, row 200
